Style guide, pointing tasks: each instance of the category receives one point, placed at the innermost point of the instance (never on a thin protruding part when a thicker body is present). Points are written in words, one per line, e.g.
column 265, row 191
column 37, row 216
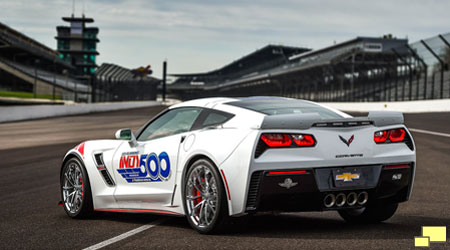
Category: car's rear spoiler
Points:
column 307, row 120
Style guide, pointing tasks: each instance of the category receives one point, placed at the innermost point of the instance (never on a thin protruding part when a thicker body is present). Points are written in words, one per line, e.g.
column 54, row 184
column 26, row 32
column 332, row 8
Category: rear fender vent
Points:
column 253, row 190
column 260, row 148
column 408, row 141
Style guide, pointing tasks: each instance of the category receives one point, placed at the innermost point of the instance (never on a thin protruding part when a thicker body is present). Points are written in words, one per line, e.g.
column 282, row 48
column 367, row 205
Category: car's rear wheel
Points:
column 370, row 214
column 204, row 198
column 75, row 189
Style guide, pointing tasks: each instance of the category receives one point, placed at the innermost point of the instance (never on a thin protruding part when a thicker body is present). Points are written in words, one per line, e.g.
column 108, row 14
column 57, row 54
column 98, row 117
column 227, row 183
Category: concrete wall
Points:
column 405, row 107
column 20, row 113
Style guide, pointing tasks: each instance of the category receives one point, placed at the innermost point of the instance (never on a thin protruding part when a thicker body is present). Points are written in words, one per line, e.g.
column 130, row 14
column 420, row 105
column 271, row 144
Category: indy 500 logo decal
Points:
column 144, row 168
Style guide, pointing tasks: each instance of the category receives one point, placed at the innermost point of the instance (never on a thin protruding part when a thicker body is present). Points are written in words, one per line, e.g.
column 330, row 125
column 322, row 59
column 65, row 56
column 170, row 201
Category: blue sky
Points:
column 200, row 35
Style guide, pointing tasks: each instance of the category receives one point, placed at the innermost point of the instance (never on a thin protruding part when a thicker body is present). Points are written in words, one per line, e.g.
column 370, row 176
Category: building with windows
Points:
column 77, row 45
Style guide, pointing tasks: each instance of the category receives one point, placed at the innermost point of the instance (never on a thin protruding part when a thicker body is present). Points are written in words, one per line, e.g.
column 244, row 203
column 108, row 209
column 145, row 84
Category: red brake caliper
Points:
column 197, row 193
column 82, row 187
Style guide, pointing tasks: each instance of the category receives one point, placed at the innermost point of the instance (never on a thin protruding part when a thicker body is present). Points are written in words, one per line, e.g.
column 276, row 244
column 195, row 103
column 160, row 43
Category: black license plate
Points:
column 348, row 177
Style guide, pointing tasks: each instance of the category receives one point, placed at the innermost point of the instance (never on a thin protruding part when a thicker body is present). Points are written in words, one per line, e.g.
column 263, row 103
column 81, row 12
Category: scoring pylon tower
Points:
column 77, row 44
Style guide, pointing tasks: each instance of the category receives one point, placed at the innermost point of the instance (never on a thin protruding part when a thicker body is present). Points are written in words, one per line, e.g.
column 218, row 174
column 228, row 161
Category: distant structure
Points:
column 261, row 60
column 77, row 45
column 117, row 83
column 28, row 66
column 363, row 69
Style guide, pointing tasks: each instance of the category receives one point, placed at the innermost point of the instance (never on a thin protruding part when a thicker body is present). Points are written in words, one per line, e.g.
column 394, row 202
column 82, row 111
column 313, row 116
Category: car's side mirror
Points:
column 127, row 135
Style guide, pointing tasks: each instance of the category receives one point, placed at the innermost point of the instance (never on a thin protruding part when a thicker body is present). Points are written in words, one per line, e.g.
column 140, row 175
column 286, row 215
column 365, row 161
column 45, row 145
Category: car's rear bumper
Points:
column 306, row 189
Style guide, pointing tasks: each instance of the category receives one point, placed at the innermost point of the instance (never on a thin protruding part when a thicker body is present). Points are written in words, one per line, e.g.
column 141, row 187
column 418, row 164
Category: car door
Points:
column 146, row 172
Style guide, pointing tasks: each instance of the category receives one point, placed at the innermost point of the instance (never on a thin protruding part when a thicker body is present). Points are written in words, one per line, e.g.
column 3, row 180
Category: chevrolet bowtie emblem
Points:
column 347, row 177
column 288, row 183
column 347, row 142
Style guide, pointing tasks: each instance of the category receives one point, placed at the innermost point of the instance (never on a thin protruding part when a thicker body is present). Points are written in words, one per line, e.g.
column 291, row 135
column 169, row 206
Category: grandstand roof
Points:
column 6, row 30
column 356, row 43
column 11, row 38
column 261, row 55
column 298, row 62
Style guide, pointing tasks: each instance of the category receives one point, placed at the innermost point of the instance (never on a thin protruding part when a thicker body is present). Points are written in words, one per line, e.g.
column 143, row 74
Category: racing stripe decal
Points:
column 226, row 184
column 136, row 211
column 80, row 148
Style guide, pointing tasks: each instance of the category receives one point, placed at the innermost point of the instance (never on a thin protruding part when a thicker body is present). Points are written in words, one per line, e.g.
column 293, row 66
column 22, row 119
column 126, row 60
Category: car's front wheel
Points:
column 370, row 214
column 204, row 198
column 75, row 189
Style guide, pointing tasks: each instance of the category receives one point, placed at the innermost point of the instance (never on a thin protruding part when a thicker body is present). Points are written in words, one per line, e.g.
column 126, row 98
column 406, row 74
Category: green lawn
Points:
column 26, row 95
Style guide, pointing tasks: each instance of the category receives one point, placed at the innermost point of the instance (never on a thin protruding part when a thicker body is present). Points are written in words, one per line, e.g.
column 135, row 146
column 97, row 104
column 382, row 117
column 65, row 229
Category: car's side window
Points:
column 172, row 122
column 215, row 118
column 210, row 117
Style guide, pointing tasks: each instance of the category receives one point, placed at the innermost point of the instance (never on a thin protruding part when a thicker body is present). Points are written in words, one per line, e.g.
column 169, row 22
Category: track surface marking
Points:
column 429, row 132
column 124, row 235
column 30, row 160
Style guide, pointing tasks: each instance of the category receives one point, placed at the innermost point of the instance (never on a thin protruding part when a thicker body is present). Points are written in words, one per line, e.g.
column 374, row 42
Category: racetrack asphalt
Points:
column 31, row 154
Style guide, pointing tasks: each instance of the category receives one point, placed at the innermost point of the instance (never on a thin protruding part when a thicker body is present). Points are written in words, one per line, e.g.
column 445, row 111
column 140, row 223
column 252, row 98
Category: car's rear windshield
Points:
column 284, row 106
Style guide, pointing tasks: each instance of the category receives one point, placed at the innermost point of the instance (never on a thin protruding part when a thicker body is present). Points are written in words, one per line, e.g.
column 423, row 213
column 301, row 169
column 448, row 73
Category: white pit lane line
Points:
column 428, row 132
column 125, row 235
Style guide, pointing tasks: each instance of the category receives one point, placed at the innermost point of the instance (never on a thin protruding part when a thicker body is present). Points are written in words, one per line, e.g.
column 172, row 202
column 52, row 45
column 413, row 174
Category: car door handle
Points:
column 182, row 138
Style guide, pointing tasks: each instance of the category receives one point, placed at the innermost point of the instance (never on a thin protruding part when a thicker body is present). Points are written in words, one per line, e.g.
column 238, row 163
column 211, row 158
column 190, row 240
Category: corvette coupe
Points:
column 213, row 160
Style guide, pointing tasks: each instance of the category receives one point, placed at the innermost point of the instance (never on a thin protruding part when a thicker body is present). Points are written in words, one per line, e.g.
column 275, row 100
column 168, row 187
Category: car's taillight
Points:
column 380, row 136
column 276, row 140
column 397, row 135
column 392, row 135
column 303, row 140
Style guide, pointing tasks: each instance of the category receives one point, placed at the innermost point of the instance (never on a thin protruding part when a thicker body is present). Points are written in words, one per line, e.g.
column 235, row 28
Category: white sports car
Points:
column 215, row 159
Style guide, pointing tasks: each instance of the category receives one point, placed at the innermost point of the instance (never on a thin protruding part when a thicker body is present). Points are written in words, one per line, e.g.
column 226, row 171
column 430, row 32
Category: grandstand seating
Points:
column 29, row 66
column 361, row 69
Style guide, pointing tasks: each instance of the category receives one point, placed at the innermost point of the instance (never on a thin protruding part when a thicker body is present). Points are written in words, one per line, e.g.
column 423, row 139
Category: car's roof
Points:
column 246, row 102
column 210, row 102
column 204, row 102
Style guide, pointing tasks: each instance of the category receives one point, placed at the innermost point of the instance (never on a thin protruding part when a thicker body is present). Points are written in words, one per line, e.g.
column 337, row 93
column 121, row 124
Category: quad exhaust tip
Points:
column 352, row 198
column 329, row 200
column 341, row 199
column 363, row 197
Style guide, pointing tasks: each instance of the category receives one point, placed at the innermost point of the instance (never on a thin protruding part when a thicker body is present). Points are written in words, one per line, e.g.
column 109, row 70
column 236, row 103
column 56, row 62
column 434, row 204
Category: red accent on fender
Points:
column 288, row 172
column 226, row 184
column 397, row 166
column 136, row 211
column 80, row 149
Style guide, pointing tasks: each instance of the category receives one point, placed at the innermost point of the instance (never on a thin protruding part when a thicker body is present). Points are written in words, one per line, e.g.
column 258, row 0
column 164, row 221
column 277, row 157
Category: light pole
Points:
column 164, row 80
column 36, row 61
